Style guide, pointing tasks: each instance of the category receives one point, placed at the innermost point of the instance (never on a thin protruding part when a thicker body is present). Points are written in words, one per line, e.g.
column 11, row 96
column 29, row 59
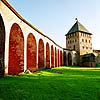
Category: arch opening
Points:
column 16, row 50
column 31, row 52
column 69, row 59
column 47, row 55
column 60, row 58
column 65, row 59
column 2, row 46
column 41, row 54
column 52, row 57
column 55, row 57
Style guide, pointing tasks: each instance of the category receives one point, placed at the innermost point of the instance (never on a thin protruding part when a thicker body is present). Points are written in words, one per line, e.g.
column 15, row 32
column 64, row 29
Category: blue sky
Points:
column 55, row 17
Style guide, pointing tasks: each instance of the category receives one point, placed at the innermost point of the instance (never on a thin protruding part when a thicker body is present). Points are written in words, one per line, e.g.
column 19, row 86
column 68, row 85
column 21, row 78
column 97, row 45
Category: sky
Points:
column 54, row 18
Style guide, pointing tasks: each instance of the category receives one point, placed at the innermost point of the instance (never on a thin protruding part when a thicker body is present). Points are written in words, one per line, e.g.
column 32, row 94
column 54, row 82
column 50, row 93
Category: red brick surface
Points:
column 52, row 57
column 31, row 52
column 47, row 55
column 58, row 57
column 55, row 57
column 41, row 54
column 16, row 50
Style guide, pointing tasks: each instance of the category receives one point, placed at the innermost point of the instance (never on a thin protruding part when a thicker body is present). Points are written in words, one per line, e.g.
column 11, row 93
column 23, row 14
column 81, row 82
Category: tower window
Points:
column 86, row 47
column 86, row 40
column 82, row 40
column 89, row 41
column 83, row 47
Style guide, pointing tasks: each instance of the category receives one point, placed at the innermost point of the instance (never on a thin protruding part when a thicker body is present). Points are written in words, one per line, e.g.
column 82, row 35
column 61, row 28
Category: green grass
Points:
column 63, row 83
column 98, row 64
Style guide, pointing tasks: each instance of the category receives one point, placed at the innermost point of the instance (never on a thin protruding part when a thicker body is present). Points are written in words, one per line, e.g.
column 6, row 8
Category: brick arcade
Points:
column 22, row 46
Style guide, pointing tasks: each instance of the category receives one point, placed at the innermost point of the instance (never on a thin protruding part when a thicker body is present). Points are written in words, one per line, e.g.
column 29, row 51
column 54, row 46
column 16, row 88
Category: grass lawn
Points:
column 63, row 83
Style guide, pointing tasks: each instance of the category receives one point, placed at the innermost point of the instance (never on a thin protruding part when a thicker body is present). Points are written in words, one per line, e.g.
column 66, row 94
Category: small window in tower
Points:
column 86, row 47
column 83, row 47
column 82, row 40
column 68, row 42
column 75, row 40
column 86, row 40
column 89, row 41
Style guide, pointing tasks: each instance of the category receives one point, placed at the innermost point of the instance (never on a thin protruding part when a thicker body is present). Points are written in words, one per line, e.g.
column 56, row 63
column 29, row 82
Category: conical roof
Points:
column 78, row 27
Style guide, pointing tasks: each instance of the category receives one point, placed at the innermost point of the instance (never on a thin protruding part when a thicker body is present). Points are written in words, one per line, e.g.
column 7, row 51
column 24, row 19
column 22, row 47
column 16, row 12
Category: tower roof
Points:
column 78, row 27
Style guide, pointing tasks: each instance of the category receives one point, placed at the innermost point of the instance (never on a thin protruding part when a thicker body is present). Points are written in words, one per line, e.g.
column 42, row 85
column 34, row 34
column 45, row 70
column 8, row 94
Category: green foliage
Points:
column 63, row 83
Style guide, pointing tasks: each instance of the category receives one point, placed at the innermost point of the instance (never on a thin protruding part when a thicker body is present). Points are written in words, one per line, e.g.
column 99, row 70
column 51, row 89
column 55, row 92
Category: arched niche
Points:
column 41, row 54
column 55, row 57
column 58, row 57
column 16, row 50
column 31, row 52
column 47, row 55
column 65, row 59
column 52, row 57
column 69, row 59
column 61, row 58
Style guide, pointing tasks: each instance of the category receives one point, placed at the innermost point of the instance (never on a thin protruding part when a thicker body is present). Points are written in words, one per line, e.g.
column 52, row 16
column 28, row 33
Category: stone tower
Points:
column 79, row 39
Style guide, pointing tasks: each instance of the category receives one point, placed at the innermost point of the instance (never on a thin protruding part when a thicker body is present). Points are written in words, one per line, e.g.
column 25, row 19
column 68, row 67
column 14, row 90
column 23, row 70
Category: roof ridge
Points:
column 77, row 25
